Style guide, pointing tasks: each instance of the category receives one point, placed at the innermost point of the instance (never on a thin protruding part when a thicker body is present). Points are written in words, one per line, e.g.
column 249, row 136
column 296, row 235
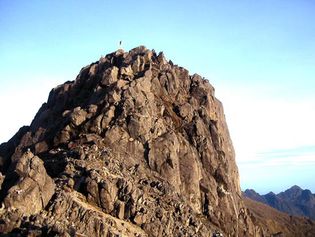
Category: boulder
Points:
column 33, row 189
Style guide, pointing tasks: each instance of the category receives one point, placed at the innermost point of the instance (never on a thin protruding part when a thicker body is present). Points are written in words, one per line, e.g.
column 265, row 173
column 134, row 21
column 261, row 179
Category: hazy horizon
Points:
column 259, row 56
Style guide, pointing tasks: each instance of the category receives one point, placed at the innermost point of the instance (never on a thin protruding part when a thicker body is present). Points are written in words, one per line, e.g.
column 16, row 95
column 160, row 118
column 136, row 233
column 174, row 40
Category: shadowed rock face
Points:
column 134, row 146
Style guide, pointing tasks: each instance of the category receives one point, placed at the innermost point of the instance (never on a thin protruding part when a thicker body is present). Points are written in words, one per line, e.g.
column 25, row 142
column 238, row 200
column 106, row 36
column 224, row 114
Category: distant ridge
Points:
column 294, row 201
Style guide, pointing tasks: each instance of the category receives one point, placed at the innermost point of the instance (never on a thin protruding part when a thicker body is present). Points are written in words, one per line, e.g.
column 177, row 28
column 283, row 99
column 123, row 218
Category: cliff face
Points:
column 134, row 146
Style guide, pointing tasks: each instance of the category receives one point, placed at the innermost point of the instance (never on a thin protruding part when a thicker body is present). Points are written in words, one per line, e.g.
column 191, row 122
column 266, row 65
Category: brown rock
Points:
column 126, row 71
column 1, row 179
column 33, row 189
column 110, row 76
column 78, row 116
column 41, row 147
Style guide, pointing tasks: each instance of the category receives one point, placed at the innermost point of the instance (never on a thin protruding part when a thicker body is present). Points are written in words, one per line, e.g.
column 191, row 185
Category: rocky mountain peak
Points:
column 291, row 193
column 295, row 187
column 134, row 146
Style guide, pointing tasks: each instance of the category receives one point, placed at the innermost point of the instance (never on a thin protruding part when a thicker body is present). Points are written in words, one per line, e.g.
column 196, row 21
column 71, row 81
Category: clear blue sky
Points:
column 259, row 55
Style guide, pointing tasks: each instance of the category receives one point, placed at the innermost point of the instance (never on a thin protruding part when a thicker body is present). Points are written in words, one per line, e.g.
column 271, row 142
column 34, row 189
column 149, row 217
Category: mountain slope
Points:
column 278, row 223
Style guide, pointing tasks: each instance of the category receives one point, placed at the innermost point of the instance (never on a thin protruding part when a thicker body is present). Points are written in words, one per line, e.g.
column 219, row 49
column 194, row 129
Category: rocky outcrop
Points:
column 135, row 146
column 34, row 187
column 31, row 191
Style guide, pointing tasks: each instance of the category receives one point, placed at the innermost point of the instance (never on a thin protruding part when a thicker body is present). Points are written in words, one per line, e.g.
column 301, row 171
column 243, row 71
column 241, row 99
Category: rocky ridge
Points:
column 135, row 146
column 294, row 201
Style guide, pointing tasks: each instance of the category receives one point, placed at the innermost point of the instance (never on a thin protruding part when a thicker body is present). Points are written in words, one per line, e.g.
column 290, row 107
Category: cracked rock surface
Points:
column 134, row 146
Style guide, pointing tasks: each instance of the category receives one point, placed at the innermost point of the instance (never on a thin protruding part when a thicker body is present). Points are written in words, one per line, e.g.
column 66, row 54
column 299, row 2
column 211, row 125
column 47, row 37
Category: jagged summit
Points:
column 134, row 146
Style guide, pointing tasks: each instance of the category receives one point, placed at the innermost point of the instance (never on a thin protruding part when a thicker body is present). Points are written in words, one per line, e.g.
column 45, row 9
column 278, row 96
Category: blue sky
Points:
column 259, row 55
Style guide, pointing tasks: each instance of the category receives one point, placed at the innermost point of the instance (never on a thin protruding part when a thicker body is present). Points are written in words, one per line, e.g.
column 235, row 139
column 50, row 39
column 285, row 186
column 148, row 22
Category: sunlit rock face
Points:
column 135, row 146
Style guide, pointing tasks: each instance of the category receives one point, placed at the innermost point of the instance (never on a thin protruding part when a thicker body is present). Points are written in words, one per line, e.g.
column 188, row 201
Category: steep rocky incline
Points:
column 135, row 146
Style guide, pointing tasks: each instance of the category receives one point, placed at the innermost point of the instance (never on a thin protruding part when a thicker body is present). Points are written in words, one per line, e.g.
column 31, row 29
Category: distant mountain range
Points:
column 294, row 201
